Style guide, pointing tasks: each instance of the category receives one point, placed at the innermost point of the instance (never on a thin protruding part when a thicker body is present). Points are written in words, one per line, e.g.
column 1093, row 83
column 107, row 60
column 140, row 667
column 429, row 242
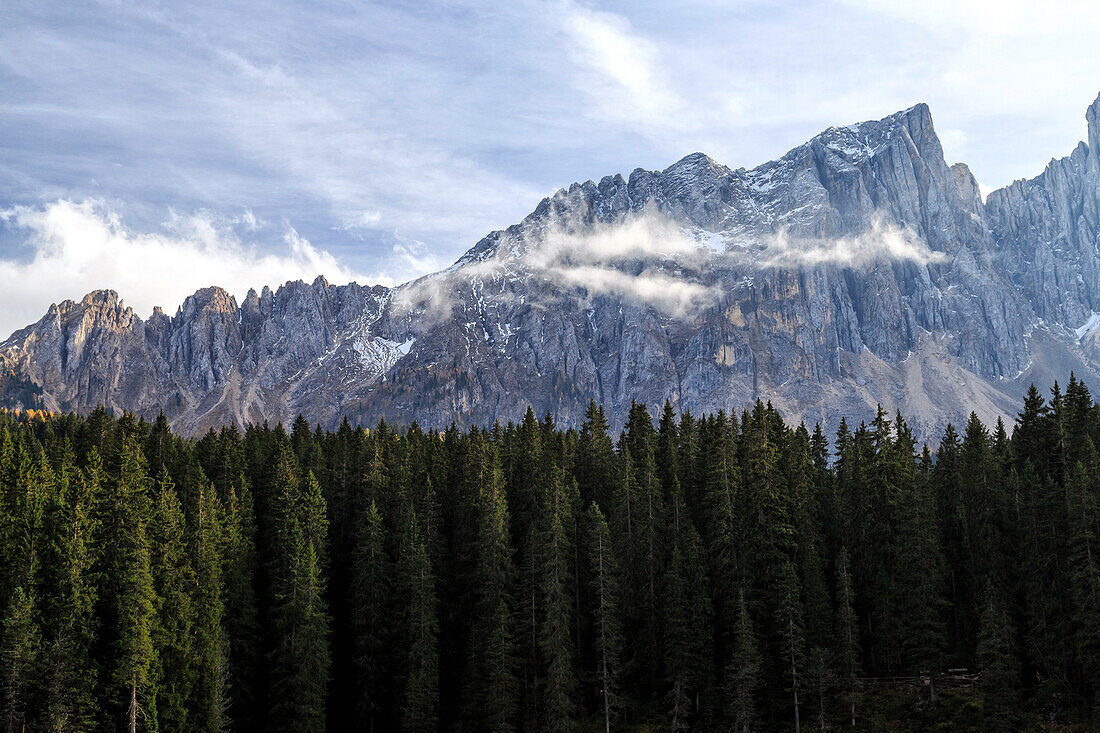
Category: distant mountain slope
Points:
column 857, row 269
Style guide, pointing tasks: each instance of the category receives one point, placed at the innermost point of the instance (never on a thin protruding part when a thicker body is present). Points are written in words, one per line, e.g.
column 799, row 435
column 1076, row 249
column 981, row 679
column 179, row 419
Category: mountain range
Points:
column 858, row 269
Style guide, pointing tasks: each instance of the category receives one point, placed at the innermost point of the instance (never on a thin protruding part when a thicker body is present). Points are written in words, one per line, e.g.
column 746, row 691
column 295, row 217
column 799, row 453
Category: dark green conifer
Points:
column 371, row 608
column 208, row 704
column 606, row 595
column 127, row 598
column 744, row 672
column 20, row 645
column 420, row 697
column 847, row 633
column 492, row 683
column 998, row 663
column 173, row 626
column 688, row 629
column 556, row 641
column 791, row 629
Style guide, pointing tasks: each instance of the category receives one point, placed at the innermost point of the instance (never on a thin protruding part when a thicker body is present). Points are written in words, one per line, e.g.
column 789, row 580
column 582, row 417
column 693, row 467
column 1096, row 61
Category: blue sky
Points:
column 156, row 147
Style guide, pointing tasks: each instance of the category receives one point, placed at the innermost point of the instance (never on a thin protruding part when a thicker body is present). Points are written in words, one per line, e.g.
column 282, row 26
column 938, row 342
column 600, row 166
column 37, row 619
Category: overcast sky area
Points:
column 154, row 148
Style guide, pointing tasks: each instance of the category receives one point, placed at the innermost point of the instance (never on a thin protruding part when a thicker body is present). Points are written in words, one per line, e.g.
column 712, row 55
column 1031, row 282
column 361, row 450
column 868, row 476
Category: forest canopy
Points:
column 718, row 572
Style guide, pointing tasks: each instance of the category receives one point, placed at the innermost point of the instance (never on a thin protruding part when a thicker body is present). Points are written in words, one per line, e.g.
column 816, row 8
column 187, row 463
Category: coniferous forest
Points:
column 724, row 572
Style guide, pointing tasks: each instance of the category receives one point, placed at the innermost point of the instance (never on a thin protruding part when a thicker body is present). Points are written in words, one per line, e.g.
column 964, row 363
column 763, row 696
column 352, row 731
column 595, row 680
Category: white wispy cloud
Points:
column 640, row 236
column 650, row 260
column 882, row 241
column 633, row 81
column 638, row 259
column 624, row 75
column 671, row 294
column 78, row 247
column 417, row 256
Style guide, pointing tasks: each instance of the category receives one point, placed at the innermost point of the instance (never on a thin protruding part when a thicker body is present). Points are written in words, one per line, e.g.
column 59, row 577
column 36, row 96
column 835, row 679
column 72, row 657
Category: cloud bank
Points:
column 649, row 260
column 598, row 259
column 638, row 259
column 668, row 293
column 646, row 259
column 619, row 259
column 80, row 247
column 883, row 241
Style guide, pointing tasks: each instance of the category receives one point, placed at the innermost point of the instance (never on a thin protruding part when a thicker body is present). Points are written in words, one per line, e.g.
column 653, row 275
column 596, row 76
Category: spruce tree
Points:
column 744, row 672
column 241, row 612
column 606, row 594
column 998, row 663
column 208, row 704
column 492, row 683
column 556, row 640
column 595, row 463
column 644, row 560
column 420, row 698
column 918, row 586
column 791, row 629
column 126, row 595
column 69, row 677
column 817, row 609
column 313, row 513
column 302, row 651
column 950, row 518
column 847, row 632
column 528, row 466
column 1084, row 580
column 371, row 586
column 300, row 622
column 27, row 498
column 667, row 449
column 718, row 526
column 20, row 645
column 688, row 631
column 172, row 631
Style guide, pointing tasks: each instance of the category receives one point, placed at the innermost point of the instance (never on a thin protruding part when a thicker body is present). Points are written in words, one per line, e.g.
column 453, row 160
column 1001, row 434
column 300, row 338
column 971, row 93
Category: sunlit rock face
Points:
column 858, row 269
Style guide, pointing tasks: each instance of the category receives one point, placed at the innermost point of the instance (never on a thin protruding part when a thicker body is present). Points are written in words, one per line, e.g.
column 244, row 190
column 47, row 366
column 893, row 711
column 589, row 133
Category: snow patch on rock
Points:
column 1088, row 326
column 378, row 355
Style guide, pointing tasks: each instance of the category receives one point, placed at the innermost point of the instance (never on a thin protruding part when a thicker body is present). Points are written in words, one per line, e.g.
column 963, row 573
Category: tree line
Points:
column 725, row 572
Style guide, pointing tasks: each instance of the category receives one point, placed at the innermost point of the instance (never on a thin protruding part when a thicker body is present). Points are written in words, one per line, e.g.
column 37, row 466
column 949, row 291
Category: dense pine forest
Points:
column 726, row 572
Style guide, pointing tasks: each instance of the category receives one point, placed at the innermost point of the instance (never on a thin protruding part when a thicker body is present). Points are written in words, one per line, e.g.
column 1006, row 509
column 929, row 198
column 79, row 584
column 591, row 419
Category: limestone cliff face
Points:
column 1046, row 232
column 857, row 269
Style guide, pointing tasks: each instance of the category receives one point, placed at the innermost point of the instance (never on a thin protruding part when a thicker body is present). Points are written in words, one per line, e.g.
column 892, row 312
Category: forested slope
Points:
column 725, row 572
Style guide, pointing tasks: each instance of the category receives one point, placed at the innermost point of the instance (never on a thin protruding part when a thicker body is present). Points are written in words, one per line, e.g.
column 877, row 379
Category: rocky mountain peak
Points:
column 213, row 299
column 99, row 308
column 918, row 119
column 968, row 185
column 696, row 166
column 831, row 184
column 1092, row 116
column 1047, row 228
column 867, row 139
column 101, row 298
